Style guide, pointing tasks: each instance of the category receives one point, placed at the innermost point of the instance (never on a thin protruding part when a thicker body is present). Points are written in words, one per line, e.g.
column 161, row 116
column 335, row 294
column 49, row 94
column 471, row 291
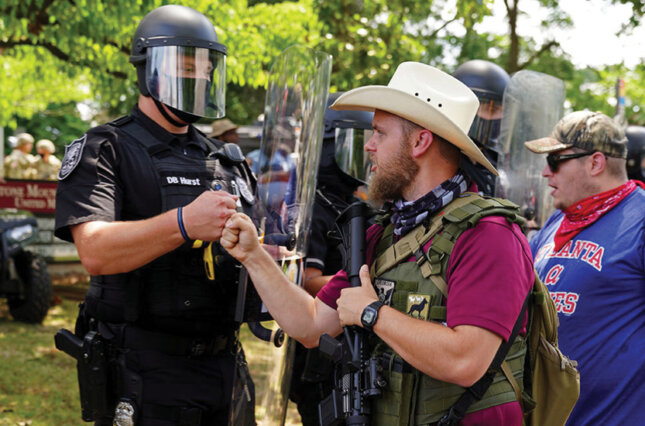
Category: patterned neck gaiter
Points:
column 407, row 215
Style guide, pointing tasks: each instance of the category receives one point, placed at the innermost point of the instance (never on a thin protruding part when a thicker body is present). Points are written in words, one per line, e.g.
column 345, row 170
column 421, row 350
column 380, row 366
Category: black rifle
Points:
column 357, row 375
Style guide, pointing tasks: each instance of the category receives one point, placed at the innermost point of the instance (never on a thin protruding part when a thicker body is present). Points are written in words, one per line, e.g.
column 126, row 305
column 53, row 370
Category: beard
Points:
column 392, row 176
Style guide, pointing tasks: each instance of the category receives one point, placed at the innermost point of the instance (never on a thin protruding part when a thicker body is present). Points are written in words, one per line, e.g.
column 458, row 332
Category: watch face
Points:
column 369, row 315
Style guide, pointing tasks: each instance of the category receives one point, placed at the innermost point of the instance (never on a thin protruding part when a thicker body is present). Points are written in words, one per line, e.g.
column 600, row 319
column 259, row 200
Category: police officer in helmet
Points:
column 144, row 198
column 635, row 152
column 488, row 81
column 341, row 162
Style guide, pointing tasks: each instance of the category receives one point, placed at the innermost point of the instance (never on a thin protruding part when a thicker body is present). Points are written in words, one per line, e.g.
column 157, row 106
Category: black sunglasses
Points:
column 554, row 160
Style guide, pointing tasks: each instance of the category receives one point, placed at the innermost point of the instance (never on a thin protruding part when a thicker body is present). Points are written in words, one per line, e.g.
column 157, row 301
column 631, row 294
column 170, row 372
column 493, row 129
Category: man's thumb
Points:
column 364, row 274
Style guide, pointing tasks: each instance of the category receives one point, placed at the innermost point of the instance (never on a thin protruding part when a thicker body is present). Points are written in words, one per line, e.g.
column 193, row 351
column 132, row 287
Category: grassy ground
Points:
column 38, row 384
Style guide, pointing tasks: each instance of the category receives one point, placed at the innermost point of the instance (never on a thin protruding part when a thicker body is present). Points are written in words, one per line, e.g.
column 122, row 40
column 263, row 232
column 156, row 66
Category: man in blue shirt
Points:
column 591, row 255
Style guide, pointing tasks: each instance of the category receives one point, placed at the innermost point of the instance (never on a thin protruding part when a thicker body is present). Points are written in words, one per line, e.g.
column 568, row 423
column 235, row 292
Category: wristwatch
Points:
column 370, row 314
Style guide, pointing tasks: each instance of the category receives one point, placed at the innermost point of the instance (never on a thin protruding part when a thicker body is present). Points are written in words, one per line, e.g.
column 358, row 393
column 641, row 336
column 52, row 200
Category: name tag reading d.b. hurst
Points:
column 184, row 179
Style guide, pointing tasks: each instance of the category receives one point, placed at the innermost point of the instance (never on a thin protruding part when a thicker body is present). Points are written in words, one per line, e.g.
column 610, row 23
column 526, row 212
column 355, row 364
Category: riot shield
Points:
column 533, row 103
column 286, row 167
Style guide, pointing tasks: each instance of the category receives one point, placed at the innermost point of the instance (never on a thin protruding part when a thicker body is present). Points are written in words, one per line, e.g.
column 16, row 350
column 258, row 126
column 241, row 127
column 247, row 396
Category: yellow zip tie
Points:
column 209, row 266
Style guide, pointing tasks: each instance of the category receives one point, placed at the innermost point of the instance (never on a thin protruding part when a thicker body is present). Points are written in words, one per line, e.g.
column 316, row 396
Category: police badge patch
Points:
column 72, row 157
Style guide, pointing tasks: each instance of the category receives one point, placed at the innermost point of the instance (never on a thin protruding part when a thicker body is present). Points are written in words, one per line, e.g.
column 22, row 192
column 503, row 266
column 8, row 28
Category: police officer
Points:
column 142, row 198
column 488, row 81
column 635, row 152
column 312, row 374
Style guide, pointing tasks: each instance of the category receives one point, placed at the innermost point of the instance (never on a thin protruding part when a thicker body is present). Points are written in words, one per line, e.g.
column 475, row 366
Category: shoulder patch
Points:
column 244, row 190
column 384, row 289
column 72, row 157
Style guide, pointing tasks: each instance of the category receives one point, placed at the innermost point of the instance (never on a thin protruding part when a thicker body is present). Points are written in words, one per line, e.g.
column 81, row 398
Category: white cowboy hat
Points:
column 428, row 97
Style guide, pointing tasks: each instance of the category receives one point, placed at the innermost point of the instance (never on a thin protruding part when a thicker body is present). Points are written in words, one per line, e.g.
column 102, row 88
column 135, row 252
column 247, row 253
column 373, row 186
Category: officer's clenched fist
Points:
column 205, row 217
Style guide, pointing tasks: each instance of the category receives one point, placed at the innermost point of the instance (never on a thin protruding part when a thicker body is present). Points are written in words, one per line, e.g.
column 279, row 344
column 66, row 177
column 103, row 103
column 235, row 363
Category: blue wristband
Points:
column 180, row 221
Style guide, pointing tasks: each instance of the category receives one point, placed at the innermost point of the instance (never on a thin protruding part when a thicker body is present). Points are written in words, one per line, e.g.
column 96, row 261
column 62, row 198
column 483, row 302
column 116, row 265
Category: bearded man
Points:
column 439, row 297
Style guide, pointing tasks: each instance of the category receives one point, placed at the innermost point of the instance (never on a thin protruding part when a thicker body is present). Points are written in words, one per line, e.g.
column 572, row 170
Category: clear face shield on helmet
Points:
column 190, row 79
column 485, row 128
column 349, row 153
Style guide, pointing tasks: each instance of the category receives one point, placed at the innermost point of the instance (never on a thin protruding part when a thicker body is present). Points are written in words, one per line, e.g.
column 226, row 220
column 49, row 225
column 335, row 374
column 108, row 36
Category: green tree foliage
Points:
column 596, row 90
column 60, row 123
column 368, row 39
column 56, row 51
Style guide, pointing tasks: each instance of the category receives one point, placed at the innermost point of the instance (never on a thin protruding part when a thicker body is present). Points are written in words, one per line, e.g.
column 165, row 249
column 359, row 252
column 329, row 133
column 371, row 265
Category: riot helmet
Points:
column 180, row 63
column 345, row 133
column 488, row 81
column 635, row 152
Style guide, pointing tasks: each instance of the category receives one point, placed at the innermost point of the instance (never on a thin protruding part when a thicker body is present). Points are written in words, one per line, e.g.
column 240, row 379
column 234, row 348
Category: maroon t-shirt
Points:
column 489, row 274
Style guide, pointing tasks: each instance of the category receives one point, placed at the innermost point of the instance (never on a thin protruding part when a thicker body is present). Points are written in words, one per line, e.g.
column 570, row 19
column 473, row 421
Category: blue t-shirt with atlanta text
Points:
column 597, row 281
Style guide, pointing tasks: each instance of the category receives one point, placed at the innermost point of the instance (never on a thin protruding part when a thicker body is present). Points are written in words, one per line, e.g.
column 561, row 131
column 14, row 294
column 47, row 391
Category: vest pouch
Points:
column 170, row 293
column 394, row 406
column 180, row 299
column 177, row 286
column 435, row 398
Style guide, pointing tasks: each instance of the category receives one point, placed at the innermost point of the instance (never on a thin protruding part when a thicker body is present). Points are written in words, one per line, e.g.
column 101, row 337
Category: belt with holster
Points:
column 140, row 339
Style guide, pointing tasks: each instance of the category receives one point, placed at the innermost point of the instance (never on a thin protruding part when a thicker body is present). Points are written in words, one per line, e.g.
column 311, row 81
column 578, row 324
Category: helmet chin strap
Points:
column 167, row 116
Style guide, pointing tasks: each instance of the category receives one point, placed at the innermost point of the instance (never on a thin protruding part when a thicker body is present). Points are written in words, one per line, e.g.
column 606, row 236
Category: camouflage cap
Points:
column 590, row 131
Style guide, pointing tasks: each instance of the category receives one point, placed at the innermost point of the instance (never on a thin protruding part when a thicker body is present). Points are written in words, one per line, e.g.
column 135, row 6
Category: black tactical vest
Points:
column 173, row 293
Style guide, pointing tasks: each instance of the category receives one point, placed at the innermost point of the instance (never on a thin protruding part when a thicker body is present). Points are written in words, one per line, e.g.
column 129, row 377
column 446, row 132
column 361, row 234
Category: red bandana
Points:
column 585, row 212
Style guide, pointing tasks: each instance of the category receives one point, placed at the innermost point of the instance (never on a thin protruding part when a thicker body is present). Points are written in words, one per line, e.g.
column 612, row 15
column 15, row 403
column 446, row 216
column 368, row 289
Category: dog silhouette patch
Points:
column 418, row 305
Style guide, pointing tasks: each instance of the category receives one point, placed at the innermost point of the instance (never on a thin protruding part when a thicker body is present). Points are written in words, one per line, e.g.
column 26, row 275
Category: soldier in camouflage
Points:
column 46, row 163
column 20, row 163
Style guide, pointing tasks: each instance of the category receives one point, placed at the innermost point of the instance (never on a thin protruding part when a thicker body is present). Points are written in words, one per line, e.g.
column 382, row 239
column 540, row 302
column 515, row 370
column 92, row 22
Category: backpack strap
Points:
column 537, row 298
column 477, row 391
column 459, row 220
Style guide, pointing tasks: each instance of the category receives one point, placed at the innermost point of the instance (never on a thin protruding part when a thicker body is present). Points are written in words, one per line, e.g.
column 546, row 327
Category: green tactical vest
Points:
column 419, row 289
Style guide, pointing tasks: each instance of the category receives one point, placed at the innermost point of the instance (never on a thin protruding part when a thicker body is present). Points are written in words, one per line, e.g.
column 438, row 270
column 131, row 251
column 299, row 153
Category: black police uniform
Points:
column 312, row 377
column 171, row 331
